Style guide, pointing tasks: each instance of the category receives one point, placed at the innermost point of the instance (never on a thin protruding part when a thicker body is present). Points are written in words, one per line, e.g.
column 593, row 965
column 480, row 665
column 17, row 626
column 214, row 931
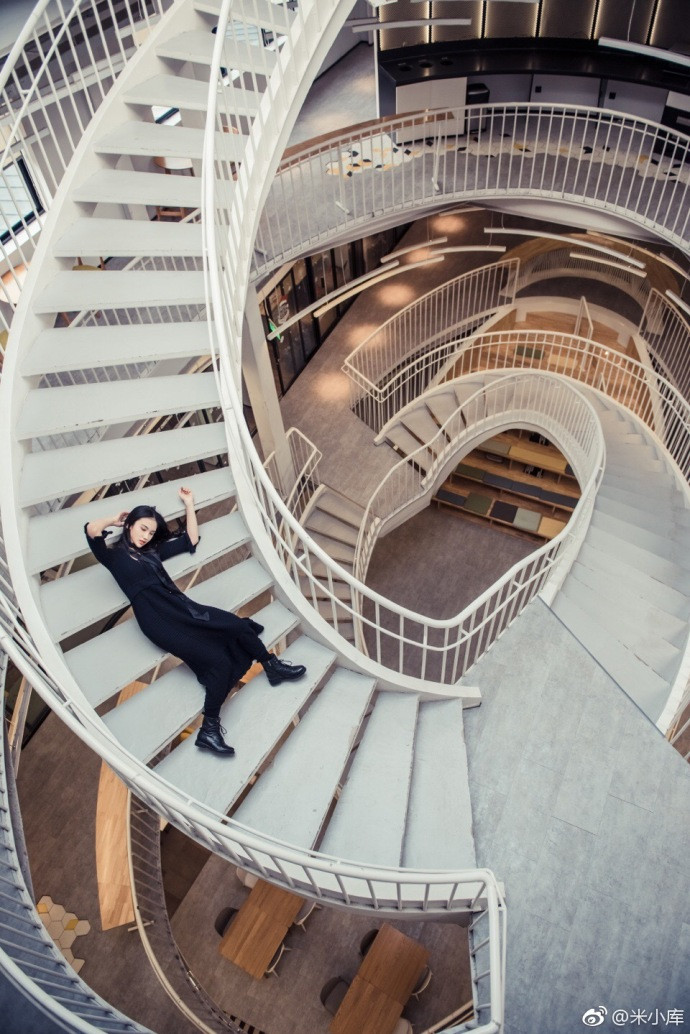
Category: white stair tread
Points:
column 442, row 405
column 438, row 834
column 326, row 524
column 631, row 579
column 108, row 662
column 672, row 547
column 658, row 567
column 175, row 91
column 84, row 597
column 126, row 187
column 292, row 797
column 59, row 536
column 129, row 238
column 57, row 473
column 368, row 823
column 636, row 636
column 643, row 685
column 197, row 46
column 340, row 589
column 111, row 289
column 421, row 423
column 146, row 723
column 88, row 347
column 255, row 718
column 55, row 410
column 152, row 140
column 255, row 12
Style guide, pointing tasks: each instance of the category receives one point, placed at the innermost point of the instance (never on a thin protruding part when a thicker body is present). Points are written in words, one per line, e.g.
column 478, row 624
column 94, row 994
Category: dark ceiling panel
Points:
column 624, row 21
column 471, row 9
column 672, row 25
column 403, row 10
column 505, row 18
column 568, row 19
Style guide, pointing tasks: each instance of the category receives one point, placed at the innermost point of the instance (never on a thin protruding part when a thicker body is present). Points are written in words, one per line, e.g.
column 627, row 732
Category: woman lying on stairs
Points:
column 218, row 646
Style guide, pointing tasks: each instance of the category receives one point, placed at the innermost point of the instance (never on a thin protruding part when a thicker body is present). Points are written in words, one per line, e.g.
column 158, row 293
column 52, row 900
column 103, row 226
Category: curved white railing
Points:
column 586, row 156
column 380, row 367
column 564, row 261
column 540, row 400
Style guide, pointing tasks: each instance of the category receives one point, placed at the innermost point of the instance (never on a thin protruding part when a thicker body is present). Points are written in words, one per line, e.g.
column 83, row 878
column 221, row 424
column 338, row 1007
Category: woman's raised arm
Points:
column 187, row 498
column 94, row 529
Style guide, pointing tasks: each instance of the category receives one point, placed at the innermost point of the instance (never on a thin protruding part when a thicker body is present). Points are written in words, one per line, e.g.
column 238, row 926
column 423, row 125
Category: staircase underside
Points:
column 583, row 808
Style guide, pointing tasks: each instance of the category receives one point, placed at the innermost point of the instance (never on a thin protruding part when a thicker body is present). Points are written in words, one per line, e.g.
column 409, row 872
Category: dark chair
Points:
column 367, row 941
column 223, row 920
column 332, row 993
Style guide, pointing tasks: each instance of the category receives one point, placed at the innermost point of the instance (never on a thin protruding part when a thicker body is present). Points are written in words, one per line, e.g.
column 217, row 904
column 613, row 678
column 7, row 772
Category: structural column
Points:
column 263, row 398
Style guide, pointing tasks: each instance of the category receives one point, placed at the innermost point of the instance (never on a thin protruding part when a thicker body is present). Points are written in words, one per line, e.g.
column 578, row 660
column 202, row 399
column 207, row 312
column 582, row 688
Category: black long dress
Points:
column 217, row 645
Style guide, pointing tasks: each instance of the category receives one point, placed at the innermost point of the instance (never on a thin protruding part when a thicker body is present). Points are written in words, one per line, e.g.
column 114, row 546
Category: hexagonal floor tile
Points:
column 77, row 964
column 83, row 926
column 57, row 912
column 44, row 904
column 66, row 938
column 70, row 921
column 54, row 928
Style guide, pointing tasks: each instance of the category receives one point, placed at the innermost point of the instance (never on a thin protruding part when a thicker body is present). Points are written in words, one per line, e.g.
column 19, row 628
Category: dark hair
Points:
column 162, row 530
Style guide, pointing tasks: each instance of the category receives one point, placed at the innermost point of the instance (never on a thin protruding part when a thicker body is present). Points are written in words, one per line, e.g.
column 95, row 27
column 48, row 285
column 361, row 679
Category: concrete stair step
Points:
column 442, row 405
column 107, row 663
column 653, row 482
column 671, row 546
column 86, row 348
column 620, row 624
column 420, row 423
column 634, row 496
column 292, row 798
column 347, row 510
column 400, row 438
column 438, row 834
column 84, row 597
column 148, row 721
column 176, row 91
column 149, row 140
column 652, row 520
column 369, row 820
column 57, row 410
column 633, row 580
column 111, row 289
column 56, row 537
column 256, row 718
column 340, row 589
column 129, row 238
column 196, row 47
column 333, row 527
column 644, row 686
column 658, row 567
column 624, row 595
column 342, row 552
column 57, row 473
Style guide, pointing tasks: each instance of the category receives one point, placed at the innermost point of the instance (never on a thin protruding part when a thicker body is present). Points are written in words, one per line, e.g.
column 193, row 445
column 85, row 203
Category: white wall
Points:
column 634, row 99
column 565, row 89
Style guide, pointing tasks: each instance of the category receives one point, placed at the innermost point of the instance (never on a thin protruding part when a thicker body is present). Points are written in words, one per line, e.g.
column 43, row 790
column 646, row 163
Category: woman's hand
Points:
column 119, row 521
column 187, row 497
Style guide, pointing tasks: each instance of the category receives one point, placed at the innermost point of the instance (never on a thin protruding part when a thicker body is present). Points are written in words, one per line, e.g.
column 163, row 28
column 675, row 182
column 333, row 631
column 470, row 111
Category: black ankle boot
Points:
column 210, row 737
column 280, row 671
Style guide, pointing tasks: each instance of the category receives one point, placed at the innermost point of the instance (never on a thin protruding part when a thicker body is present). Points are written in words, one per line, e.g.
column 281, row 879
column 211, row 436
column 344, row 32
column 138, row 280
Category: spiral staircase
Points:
column 151, row 403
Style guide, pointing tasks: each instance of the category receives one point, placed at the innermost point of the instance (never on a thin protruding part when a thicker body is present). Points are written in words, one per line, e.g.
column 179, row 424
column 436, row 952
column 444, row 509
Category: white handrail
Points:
column 584, row 156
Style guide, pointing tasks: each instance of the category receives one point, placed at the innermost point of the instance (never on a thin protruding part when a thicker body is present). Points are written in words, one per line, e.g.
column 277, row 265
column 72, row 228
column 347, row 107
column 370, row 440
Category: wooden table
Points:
column 384, row 982
column 259, row 928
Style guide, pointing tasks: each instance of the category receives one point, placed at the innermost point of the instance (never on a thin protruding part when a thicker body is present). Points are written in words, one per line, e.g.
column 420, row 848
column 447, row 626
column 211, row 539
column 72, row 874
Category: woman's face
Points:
column 142, row 531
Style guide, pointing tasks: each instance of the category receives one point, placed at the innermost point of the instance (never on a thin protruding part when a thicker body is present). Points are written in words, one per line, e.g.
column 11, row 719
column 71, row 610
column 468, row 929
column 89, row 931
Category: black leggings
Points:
column 217, row 684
